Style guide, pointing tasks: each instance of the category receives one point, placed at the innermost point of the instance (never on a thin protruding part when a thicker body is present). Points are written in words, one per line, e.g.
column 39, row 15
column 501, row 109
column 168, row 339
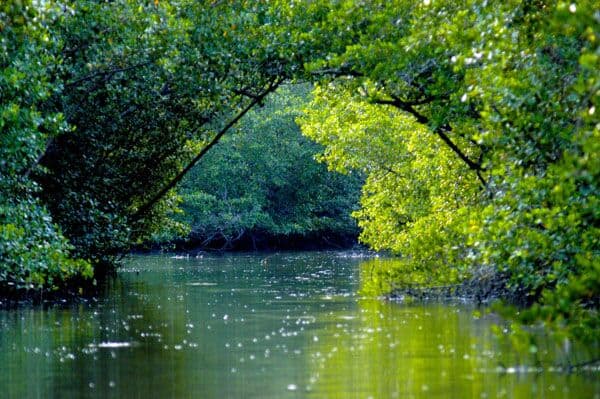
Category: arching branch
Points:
column 108, row 73
column 441, row 131
column 141, row 212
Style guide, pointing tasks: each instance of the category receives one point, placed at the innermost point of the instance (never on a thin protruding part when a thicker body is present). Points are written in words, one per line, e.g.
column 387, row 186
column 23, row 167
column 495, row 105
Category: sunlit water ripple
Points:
column 287, row 325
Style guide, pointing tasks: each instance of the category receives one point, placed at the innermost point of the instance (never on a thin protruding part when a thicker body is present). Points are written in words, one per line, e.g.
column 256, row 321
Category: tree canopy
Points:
column 474, row 123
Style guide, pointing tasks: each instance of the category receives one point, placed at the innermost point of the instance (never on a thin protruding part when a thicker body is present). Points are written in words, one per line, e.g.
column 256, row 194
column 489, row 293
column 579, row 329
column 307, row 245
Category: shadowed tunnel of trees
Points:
column 473, row 125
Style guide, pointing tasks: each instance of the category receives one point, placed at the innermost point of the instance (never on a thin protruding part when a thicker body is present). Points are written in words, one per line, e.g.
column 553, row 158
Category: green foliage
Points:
column 262, row 182
column 434, row 99
column 33, row 252
column 146, row 87
column 475, row 124
column 415, row 188
column 541, row 227
column 103, row 103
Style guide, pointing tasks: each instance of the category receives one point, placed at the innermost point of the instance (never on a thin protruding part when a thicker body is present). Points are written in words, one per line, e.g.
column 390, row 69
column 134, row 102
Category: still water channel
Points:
column 287, row 325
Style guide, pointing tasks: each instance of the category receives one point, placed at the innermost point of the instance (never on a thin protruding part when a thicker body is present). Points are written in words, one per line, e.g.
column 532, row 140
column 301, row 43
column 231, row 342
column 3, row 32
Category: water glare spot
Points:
column 292, row 387
column 201, row 284
column 114, row 345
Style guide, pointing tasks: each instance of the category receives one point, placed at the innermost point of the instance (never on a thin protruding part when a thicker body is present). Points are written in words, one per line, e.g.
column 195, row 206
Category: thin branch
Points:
column 259, row 98
column 441, row 131
column 337, row 72
column 405, row 105
column 38, row 159
column 108, row 72
column 245, row 92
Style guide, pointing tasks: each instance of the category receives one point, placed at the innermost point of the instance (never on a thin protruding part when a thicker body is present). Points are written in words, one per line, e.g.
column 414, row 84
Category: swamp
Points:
column 295, row 198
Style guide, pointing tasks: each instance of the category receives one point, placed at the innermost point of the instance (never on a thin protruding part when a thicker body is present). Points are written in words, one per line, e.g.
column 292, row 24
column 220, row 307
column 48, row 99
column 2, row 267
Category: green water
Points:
column 284, row 325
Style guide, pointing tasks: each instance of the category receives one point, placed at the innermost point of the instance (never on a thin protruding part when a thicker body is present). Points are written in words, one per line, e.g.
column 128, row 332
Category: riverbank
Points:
column 257, row 241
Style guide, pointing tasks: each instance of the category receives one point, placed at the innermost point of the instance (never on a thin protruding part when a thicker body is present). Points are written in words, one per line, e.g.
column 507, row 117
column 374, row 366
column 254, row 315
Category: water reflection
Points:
column 257, row 326
column 441, row 351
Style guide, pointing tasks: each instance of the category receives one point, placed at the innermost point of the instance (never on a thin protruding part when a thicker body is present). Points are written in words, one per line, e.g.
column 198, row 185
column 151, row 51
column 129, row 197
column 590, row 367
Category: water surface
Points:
column 286, row 325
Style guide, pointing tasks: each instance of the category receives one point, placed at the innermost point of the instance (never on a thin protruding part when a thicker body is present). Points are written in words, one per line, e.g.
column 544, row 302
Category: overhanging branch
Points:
column 173, row 182
column 441, row 131
column 107, row 73
column 337, row 72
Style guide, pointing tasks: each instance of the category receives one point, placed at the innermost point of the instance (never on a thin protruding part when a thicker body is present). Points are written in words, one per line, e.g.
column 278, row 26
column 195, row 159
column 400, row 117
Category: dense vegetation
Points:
column 33, row 251
column 474, row 123
column 104, row 104
column 261, row 188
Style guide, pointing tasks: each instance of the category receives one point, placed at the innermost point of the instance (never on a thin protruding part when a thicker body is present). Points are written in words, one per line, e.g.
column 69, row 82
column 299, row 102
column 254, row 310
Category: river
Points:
column 287, row 325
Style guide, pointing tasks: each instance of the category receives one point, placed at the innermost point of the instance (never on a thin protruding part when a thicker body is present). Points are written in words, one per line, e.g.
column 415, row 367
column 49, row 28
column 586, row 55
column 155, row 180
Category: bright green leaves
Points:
column 537, row 97
column 415, row 184
column 34, row 254
column 512, row 90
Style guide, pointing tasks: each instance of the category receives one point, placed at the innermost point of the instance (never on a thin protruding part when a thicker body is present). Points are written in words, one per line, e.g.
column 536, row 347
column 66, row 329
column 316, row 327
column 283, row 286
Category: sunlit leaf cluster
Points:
column 489, row 160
